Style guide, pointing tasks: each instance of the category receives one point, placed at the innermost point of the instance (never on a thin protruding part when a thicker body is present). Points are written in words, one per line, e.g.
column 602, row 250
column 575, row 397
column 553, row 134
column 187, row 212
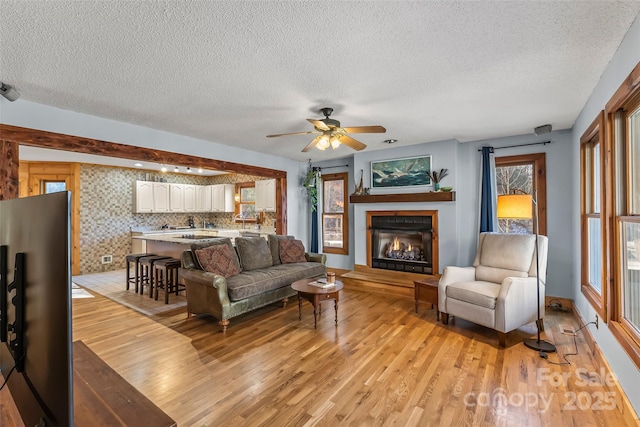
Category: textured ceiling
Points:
column 233, row 72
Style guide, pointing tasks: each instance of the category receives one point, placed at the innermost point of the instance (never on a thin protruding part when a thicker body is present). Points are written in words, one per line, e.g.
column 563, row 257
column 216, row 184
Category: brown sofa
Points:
column 263, row 278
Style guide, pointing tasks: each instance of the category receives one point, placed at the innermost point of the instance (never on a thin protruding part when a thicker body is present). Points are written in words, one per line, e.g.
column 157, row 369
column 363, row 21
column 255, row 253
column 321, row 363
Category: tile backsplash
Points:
column 106, row 212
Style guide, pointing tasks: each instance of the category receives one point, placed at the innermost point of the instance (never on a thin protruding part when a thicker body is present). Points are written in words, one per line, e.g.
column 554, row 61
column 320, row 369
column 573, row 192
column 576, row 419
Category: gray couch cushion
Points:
column 253, row 252
column 215, row 241
column 274, row 246
column 253, row 282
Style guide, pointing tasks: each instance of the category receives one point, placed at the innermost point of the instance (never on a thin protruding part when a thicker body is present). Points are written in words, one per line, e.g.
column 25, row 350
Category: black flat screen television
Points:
column 35, row 240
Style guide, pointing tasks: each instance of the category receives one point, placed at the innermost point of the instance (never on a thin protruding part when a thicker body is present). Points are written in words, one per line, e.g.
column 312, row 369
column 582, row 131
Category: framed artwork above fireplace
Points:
column 406, row 172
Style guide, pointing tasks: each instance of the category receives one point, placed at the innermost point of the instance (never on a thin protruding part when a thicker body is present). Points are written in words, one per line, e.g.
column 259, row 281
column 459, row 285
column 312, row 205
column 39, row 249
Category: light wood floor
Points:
column 382, row 365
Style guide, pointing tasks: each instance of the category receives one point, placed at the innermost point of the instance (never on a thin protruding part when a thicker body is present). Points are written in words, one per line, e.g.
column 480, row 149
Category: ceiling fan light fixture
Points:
column 323, row 142
column 335, row 141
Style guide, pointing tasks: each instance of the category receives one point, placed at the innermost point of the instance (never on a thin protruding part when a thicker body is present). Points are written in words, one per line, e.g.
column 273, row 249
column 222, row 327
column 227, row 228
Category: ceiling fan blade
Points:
column 350, row 142
column 319, row 124
column 311, row 144
column 293, row 133
column 366, row 129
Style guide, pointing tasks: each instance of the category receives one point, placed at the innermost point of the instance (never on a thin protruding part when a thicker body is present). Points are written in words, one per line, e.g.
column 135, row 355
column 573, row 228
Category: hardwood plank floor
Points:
column 382, row 365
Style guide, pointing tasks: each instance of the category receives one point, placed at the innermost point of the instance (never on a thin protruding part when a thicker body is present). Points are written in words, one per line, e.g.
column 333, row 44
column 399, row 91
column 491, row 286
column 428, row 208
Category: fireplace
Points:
column 403, row 241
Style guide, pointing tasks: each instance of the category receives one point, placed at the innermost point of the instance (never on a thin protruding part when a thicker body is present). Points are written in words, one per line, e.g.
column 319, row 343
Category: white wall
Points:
column 36, row 116
column 625, row 59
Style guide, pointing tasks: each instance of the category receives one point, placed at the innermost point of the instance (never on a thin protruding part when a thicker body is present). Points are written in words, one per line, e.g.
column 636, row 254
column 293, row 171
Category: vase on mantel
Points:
column 436, row 186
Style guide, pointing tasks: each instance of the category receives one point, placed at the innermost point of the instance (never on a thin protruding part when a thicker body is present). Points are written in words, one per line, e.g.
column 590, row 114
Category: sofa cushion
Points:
column 213, row 242
column 291, row 251
column 253, row 282
column 254, row 253
column 274, row 246
column 218, row 259
column 483, row 294
column 507, row 251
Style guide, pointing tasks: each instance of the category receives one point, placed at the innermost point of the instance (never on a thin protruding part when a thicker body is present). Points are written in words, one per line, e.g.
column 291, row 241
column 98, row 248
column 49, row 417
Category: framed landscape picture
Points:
column 407, row 172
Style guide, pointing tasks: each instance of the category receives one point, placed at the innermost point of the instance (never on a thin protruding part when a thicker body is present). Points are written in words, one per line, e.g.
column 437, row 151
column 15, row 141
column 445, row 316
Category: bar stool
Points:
column 135, row 259
column 166, row 277
column 146, row 271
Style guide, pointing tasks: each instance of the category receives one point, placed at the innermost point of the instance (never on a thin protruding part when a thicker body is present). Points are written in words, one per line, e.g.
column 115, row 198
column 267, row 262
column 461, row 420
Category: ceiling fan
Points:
column 331, row 134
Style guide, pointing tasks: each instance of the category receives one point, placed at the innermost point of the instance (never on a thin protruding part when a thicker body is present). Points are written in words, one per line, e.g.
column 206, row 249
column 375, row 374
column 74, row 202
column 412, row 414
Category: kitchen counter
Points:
column 173, row 242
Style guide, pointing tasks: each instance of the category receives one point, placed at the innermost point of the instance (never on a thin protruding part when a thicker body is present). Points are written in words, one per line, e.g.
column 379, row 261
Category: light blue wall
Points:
column 444, row 155
column 559, row 162
column 344, row 262
column 625, row 59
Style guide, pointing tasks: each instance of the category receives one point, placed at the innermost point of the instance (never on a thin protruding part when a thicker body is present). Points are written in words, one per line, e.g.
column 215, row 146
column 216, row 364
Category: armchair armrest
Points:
column 314, row 257
column 451, row 275
column 516, row 303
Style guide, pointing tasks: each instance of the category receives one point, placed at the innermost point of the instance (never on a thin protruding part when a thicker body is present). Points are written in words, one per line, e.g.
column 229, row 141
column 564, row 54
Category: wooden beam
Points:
column 58, row 141
column 9, row 177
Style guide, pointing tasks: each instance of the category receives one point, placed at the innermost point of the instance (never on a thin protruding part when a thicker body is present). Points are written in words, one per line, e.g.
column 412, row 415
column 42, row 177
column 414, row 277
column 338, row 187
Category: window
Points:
column 523, row 175
column 622, row 211
column 54, row 186
column 592, row 215
column 334, row 214
column 246, row 201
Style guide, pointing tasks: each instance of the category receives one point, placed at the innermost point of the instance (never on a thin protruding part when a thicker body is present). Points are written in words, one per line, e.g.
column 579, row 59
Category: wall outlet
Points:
column 107, row 259
column 597, row 321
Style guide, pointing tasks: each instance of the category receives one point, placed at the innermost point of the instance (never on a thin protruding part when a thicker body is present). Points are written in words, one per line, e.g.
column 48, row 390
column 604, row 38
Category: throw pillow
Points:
column 254, row 253
column 274, row 246
column 291, row 251
column 212, row 242
column 218, row 259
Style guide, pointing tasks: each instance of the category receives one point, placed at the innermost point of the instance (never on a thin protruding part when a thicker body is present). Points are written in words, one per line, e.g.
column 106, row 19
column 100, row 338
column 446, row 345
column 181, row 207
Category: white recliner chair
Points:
column 499, row 291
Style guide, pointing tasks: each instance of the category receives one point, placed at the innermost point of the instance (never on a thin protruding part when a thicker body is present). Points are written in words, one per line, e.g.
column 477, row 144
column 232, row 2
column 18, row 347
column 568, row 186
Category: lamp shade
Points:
column 515, row 206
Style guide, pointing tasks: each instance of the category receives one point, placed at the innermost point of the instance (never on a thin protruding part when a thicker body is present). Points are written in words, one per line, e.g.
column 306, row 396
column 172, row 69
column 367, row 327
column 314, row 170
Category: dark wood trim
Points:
column 439, row 196
column 344, row 177
column 58, row 141
column 9, row 165
column 13, row 136
column 594, row 134
column 281, row 205
column 629, row 345
column 624, row 100
column 626, row 90
column 539, row 162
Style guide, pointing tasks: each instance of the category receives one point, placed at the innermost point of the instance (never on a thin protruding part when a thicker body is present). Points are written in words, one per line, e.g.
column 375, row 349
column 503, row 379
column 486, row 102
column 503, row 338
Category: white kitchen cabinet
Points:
column 201, row 198
column 266, row 195
column 143, row 197
column 189, row 195
column 160, row 197
column 222, row 198
column 176, row 197
column 208, row 198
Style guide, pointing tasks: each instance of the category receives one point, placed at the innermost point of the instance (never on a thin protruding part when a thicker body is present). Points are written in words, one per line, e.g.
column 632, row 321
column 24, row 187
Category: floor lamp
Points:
column 519, row 206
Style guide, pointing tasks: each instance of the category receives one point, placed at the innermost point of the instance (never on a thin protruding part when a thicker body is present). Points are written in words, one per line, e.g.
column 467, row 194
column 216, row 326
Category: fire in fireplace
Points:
column 402, row 240
column 401, row 250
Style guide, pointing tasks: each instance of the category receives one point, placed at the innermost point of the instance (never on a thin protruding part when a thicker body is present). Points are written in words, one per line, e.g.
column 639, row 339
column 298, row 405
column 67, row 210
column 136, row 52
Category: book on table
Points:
column 322, row 283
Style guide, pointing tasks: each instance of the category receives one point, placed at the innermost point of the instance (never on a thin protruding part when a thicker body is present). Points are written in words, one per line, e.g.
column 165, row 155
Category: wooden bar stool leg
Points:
column 154, row 281
column 128, row 274
column 167, row 285
column 137, row 274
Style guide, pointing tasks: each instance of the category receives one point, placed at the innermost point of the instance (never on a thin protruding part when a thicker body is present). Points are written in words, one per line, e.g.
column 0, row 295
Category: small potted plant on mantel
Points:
column 436, row 177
